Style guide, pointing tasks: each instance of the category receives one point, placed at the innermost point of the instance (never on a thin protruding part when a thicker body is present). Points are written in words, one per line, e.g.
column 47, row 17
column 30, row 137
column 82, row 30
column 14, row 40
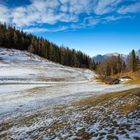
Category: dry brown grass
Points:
column 134, row 82
column 110, row 99
column 129, row 107
column 134, row 75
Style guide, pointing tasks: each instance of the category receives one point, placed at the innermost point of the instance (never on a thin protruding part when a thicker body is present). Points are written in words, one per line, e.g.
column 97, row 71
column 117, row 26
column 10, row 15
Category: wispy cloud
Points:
column 61, row 15
column 37, row 29
column 114, row 18
column 105, row 6
column 133, row 8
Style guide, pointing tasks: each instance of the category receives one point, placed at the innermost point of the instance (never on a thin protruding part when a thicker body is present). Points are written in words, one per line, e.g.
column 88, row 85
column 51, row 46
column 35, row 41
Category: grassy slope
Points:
column 134, row 75
column 110, row 116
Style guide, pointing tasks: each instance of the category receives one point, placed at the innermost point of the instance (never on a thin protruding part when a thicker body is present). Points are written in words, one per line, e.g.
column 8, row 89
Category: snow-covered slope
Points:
column 29, row 82
column 21, row 66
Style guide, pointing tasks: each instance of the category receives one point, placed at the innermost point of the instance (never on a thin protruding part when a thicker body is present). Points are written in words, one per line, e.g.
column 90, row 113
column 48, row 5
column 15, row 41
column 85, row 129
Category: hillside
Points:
column 23, row 74
column 30, row 84
column 27, row 68
column 10, row 37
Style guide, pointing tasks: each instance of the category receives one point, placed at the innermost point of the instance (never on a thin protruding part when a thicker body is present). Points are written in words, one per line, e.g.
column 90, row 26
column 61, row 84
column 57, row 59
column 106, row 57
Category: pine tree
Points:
column 133, row 61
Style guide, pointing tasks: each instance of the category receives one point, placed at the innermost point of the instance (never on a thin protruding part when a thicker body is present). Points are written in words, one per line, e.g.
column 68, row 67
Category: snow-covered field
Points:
column 28, row 82
column 35, row 98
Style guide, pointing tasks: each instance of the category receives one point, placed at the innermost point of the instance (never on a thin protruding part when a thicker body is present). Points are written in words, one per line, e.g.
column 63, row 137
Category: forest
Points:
column 116, row 64
column 10, row 37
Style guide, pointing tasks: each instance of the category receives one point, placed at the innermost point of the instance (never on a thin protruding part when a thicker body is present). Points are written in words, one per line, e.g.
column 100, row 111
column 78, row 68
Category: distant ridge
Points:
column 99, row 58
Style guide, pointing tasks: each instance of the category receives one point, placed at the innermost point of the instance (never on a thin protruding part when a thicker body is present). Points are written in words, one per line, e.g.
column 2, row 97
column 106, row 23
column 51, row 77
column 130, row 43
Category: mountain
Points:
column 100, row 58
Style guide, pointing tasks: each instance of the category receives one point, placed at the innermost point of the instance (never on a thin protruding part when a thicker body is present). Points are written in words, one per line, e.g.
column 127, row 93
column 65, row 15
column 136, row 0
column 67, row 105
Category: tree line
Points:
column 10, row 37
column 116, row 64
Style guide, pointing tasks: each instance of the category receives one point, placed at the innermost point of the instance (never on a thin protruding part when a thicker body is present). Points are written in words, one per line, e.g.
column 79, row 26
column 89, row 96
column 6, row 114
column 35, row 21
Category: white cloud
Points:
column 43, row 11
column 36, row 29
column 68, row 12
column 133, row 8
column 114, row 18
column 105, row 6
column 4, row 14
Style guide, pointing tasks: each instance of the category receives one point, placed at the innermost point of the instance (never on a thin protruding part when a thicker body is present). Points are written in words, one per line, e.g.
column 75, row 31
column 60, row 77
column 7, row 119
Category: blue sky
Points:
column 92, row 26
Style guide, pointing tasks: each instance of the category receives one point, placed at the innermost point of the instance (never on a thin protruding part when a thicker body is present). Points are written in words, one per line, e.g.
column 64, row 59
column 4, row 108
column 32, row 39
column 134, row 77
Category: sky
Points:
column 92, row 26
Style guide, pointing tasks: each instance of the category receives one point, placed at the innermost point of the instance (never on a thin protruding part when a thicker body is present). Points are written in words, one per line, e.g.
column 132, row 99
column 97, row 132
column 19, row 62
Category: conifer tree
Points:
column 133, row 61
